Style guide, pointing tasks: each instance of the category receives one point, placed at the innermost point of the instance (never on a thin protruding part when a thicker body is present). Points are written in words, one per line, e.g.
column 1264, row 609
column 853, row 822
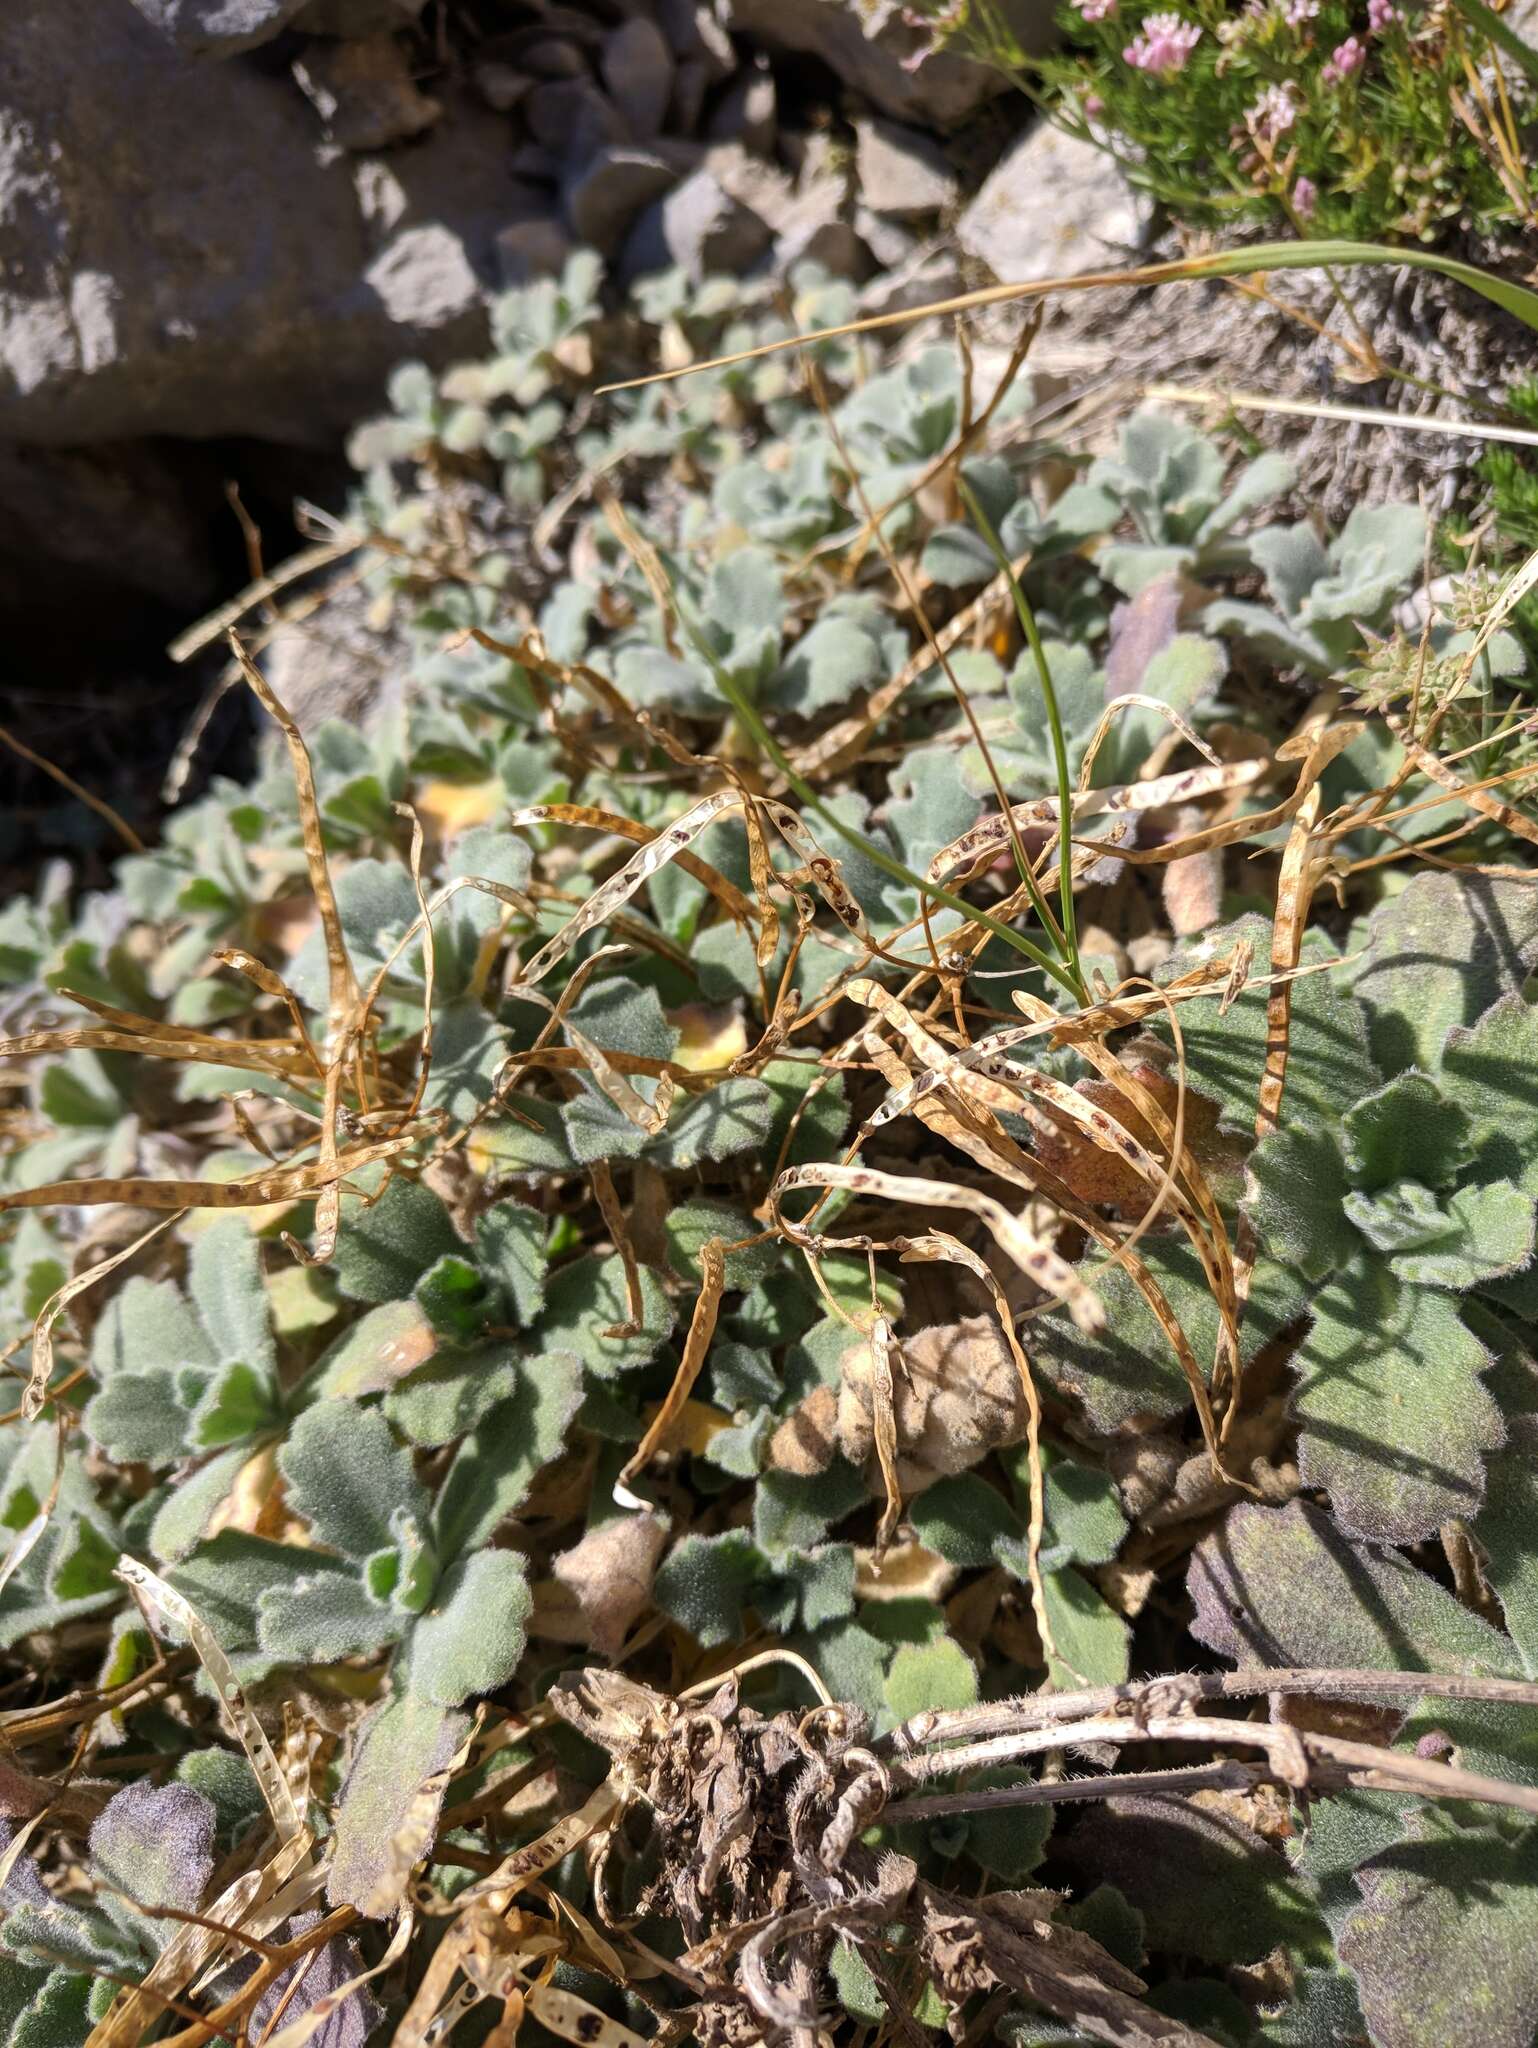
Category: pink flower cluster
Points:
column 1096, row 10
column 1164, row 44
column 1380, row 14
column 1273, row 113
column 1348, row 58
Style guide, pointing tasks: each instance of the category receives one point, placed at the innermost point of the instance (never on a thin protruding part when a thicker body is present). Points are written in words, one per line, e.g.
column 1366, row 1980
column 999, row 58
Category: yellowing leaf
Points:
column 697, row 1426
column 710, row 1039
column 449, row 808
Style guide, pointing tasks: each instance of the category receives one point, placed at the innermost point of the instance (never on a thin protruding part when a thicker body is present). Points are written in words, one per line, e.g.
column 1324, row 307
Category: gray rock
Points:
column 888, row 241
column 337, row 664
column 571, row 119
column 248, row 289
column 927, row 275
column 1054, row 207
column 694, row 33
column 532, row 248
column 809, row 218
column 532, row 161
column 834, row 244
column 871, row 47
column 636, row 66
column 700, row 227
column 364, row 92
column 747, row 111
column 501, row 86
column 105, row 527
column 604, row 197
column 691, row 81
column 349, row 18
column 762, row 187
column 902, row 171
column 218, row 28
column 552, row 57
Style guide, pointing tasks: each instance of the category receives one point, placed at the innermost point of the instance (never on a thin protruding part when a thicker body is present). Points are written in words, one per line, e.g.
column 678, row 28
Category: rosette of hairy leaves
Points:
column 1420, row 1194
column 189, row 1378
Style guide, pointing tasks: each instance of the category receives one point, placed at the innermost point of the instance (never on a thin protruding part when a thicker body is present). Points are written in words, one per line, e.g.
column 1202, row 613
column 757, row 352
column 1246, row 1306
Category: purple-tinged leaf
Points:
column 1206, row 1885
column 156, row 1844
column 336, row 1964
column 1443, row 1943
column 402, row 1744
column 1284, row 1586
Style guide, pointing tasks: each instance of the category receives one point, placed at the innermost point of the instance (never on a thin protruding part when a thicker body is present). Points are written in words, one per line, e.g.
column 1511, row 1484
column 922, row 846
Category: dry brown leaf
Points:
column 599, row 1587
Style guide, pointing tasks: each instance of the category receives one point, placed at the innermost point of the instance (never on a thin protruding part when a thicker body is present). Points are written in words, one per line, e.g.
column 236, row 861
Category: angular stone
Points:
column 881, row 48
column 902, row 172
column 571, row 119
column 364, row 92
column 929, row 274
column 747, row 111
column 690, row 82
column 501, row 86
column 532, row 248
column 762, row 187
column 604, row 197
column 218, row 28
column 1054, row 207
column 887, row 240
column 700, row 227
column 833, row 244
column 693, row 32
column 552, row 57
column 636, row 66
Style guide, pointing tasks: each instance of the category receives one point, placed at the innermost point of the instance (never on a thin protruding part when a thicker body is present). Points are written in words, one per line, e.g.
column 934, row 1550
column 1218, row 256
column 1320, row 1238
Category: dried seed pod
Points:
column 956, row 1396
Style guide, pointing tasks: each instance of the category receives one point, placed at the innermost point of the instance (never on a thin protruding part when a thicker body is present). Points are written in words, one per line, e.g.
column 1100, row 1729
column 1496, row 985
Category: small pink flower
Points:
column 1273, row 113
column 1094, row 106
column 1164, row 44
column 1380, row 14
column 1348, row 58
column 1305, row 197
column 1300, row 12
column 1096, row 10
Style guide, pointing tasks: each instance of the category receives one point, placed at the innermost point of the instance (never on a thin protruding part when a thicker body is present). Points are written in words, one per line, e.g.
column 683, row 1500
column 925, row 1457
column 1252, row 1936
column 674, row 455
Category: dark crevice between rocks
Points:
column 106, row 554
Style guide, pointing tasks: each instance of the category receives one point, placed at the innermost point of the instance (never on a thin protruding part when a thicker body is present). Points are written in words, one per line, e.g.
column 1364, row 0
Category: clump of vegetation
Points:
column 897, row 1088
column 1395, row 119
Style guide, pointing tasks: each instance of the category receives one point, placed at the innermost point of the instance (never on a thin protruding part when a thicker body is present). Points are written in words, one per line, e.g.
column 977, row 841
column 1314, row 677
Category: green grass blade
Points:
column 1513, row 298
column 747, row 713
column 1027, row 620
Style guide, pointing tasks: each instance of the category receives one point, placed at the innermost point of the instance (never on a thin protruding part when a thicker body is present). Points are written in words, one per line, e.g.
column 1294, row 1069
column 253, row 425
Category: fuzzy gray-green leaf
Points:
column 401, row 1744
column 1296, row 1187
column 1442, row 1944
column 1406, row 1130
column 1438, row 955
column 346, row 1475
column 471, row 1637
column 1394, row 1415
